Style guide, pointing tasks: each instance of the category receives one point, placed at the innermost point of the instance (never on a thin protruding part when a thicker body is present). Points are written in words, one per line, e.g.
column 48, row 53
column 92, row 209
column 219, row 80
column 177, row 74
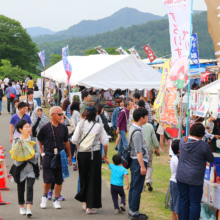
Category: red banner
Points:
column 150, row 53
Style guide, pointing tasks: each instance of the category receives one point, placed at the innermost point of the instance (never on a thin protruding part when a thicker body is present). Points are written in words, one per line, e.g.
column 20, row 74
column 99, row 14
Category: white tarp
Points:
column 107, row 72
column 212, row 89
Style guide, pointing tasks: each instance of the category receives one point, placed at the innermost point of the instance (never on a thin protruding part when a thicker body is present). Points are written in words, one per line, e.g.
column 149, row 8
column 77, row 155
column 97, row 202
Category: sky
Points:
column 59, row 15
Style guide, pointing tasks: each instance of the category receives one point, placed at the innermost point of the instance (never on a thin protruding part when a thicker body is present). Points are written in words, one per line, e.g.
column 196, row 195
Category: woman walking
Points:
column 194, row 153
column 89, row 159
column 37, row 95
column 25, row 170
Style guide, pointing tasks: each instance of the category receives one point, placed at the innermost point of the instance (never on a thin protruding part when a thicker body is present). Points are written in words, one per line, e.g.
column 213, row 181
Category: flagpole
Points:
column 190, row 45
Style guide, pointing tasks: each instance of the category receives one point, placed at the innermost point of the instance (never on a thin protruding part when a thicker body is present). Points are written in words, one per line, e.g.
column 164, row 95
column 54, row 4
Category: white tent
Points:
column 213, row 89
column 107, row 72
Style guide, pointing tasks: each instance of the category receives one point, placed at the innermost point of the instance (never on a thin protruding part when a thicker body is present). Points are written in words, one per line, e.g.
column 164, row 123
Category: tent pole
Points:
column 190, row 43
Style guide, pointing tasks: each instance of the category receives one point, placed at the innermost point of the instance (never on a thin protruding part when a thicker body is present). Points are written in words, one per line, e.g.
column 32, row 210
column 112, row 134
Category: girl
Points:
column 26, row 171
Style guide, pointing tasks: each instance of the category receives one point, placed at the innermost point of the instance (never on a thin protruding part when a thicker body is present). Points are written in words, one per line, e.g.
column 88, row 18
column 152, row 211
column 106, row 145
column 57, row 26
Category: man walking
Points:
column 22, row 107
column 26, row 80
column 150, row 139
column 138, row 97
column 84, row 105
column 123, row 120
column 6, row 81
column 140, row 157
column 54, row 137
column 10, row 91
column 30, row 83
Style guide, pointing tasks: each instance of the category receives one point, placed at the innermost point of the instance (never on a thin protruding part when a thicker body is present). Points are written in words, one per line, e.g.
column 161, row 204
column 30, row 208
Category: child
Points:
column 118, row 173
column 173, row 183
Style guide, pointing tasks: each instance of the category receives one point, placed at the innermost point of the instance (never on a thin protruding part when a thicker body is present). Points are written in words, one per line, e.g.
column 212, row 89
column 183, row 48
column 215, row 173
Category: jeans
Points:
column 115, row 191
column 102, row 150
column 136, row 186
column 57, row 103
column 123, row 141
column 189, row 201
column 10, row 100
column 17, row 97
column 30, row 191
column 0, row 106
column 38, row 100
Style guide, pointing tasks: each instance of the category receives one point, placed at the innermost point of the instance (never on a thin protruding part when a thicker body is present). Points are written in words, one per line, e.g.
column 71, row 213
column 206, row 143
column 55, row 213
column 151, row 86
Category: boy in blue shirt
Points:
column 118, row 173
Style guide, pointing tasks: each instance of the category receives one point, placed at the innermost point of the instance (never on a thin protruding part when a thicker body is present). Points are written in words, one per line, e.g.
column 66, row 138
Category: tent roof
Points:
column 107, row 72
column 212, row 87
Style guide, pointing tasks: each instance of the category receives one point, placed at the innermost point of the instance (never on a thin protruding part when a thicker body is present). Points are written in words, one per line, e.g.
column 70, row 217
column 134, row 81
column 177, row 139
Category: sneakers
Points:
column 56, row 204
column 117, row 211
column 29, row 213
column 122, row 207
column 116, row 148
column 150, row 188
column 43, row 204
column 90, row 211
column 22, row 211
column 61, row 198
column 139, row 217
column 49, row 195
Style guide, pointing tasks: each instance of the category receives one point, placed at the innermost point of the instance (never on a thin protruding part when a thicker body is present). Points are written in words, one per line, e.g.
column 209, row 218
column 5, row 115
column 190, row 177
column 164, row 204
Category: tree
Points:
column 16, row 45
column 55, row 58
column 15, row 72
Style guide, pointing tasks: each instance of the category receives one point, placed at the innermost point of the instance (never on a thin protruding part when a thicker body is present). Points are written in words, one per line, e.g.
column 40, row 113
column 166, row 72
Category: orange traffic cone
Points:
column 3, row 202
column 3, row 186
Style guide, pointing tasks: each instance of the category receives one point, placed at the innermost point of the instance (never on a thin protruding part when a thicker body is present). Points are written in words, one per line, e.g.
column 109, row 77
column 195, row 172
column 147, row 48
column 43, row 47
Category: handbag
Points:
column 126, row 154
column 87, row 138
column 11, row 95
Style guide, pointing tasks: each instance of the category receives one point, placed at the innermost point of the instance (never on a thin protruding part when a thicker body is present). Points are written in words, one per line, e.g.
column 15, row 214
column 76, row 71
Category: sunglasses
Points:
column 59, row 114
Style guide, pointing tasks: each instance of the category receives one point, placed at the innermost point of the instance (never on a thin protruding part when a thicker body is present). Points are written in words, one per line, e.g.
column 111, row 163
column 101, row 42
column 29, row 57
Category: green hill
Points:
column 155, row 33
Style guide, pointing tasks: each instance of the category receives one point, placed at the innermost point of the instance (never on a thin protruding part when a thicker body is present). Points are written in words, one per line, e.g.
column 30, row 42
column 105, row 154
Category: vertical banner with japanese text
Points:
column 165, row 104
column 101, row 50
column 66, row 64
column 150, row 53
column 121, row 51
column 179, row 23
column 134, row 53
column 194, row 50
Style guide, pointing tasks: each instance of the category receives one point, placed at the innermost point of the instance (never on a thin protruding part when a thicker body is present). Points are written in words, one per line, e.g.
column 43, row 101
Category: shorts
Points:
column 50, row 174
column 174, row 198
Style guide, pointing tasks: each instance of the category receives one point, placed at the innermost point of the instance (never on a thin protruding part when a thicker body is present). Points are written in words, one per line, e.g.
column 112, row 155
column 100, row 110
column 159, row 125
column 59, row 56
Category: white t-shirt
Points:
column 173, row 167
column 6, row 80
column 37, row 94
column 107, row 95
column 34, row 103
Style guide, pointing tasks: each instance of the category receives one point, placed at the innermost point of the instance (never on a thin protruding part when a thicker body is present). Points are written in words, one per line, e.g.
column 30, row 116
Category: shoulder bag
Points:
column 11, row 95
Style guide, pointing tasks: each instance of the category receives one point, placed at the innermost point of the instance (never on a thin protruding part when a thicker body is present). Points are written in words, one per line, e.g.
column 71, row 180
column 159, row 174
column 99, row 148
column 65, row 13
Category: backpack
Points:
column 56, row 96
column 126, row 154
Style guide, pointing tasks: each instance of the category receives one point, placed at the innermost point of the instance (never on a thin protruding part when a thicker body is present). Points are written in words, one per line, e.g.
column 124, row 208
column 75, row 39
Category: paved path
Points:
column 71, row 209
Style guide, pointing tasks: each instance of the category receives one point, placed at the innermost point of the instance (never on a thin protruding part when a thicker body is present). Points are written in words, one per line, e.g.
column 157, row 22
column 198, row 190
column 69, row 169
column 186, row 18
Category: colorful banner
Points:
column 66, row 64
column 204, row 107
column 165, row 104
column 134, row 53
column 218, row 103
column 179, row 23
column 194, row 50
column 150, row 53
column 101, row 50
column 121, row 51
column 213, row 11
column 42, row 57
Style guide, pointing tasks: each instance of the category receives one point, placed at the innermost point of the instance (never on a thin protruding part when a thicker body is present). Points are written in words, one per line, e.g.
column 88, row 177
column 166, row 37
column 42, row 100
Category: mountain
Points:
column 155, row 33
column 125, row 17
column 36, row 31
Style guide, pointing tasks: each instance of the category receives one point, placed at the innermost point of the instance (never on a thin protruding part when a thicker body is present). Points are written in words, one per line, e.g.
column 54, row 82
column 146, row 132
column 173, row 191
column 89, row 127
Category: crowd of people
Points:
column 81, row 131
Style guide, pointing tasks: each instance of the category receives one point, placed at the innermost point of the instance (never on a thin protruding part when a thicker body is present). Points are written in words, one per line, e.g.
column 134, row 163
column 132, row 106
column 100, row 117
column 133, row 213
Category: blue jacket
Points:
column 115, row 115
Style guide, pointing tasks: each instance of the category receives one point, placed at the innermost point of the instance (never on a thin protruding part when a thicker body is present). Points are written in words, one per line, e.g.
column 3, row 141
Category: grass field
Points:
column 152, row 203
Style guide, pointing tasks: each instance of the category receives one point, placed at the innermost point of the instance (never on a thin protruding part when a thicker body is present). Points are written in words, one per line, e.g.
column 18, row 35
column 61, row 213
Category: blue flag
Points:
column 66, row 64
column 194, row 50
column 42, row 58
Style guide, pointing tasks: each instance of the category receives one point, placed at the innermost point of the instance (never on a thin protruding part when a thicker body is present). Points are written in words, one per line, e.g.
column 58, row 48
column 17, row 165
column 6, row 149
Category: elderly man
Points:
column 54, row 137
